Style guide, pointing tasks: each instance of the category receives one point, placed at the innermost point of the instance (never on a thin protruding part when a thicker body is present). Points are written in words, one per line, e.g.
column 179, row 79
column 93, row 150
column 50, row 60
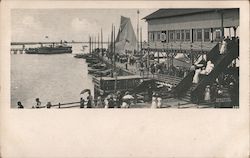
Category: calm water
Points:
column 55, row 78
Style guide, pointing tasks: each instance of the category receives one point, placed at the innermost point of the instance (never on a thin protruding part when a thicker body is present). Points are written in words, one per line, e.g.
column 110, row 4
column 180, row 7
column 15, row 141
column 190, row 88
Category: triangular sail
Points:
column 126, row 38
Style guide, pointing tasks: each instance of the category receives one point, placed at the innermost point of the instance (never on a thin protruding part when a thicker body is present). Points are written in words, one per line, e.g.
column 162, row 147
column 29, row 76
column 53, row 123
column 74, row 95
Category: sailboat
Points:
column 126, row 39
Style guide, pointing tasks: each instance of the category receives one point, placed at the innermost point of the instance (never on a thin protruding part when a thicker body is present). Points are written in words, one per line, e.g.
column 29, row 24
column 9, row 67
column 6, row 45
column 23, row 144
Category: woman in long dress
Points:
column 223, row 47
column 209, row 67
column 99, row 102
column 154, row 103
column 159, row 103
column 196, row 76
column 207, row 96
column 106, row 103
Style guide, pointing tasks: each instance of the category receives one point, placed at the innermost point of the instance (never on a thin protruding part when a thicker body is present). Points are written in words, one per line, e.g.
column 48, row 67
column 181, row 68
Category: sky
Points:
column 33, row 25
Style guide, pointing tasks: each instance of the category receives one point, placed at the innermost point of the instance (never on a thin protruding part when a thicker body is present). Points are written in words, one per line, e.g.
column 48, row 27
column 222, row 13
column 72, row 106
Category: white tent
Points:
column 182, row 57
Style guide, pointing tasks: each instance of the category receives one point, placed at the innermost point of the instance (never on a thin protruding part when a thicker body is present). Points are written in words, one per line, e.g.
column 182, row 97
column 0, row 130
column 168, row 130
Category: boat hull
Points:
column 49, row 50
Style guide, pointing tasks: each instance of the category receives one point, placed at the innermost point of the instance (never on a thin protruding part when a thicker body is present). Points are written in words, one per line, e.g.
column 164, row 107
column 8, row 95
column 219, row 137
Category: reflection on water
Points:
column 55, row 78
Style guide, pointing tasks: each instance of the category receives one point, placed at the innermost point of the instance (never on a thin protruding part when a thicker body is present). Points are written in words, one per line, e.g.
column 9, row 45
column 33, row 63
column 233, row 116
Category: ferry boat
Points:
column 52, row 49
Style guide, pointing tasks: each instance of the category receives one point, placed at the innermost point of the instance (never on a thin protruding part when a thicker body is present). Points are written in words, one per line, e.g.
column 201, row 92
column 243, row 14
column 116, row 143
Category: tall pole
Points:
column 92, row 43
column 114, row 48
column 222, row 25
column 98, row 42
column 115, row 86
column 111, row 52
column 111, row 45
column 89, row 44
column 141, row 37
column 138, row 12
column 95, row 43
column 108, row 44
column 101, row 42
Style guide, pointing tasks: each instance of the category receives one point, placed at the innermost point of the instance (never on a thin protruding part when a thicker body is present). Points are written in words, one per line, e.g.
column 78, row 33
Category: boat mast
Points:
column 141, row 37
column 115, row 86
column 98, row 44
column 89, row 44
column 101, row 43
column 95, row 44
column 114, row 50
column 137, row 40
column 111, row 45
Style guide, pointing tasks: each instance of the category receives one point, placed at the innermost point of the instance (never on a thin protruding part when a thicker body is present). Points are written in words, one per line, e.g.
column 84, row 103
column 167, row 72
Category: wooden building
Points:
column 194, row 31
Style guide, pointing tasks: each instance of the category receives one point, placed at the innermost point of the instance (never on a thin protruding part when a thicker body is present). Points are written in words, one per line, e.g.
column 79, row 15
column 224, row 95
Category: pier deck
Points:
column 134, row 70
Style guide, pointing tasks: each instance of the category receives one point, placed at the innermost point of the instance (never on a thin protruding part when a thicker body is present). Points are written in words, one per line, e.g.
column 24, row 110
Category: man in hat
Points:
column 38, row 103
column 19, row 105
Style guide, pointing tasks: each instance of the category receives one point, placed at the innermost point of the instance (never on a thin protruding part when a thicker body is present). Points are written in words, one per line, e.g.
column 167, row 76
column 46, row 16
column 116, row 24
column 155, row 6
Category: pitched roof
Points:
column 164, row 13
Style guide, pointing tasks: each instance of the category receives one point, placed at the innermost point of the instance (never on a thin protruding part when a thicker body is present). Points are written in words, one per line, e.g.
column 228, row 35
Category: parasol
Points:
column 128, row 97
column 84, row 91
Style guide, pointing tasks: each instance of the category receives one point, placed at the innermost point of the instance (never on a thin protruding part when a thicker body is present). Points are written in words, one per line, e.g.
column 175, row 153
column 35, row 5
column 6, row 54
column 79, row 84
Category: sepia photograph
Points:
column 125, row 58
column 124, row 79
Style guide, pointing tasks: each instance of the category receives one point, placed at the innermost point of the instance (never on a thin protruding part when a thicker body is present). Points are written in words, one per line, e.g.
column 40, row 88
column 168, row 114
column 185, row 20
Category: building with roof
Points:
column 198, row 34
column 185, row 30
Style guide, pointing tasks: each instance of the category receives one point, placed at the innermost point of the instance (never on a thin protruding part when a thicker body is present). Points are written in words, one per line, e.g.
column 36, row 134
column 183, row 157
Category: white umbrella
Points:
column 128, row 97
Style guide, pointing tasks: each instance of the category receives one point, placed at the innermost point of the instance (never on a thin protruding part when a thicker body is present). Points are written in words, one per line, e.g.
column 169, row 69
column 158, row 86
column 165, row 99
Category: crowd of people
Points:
column 225, row 88
column 222, row 93
column 117, row 100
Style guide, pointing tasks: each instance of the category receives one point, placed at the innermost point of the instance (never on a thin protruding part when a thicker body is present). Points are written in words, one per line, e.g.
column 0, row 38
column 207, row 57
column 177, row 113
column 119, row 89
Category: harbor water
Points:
column 55, row 78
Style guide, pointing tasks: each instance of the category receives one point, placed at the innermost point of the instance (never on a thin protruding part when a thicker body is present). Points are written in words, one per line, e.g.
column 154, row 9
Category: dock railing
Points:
column 61, row 105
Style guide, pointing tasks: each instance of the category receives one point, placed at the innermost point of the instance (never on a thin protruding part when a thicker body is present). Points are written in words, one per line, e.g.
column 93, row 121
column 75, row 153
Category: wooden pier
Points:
column 17, row 51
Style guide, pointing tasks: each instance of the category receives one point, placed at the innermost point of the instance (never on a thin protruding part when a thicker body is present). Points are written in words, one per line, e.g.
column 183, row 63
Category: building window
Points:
column 187, row 35
column 206, row 35
column 217, row 34
column 155, row 36
column 158, row 36
column 163, row 36
column 197, row 35
column 151, row 36
column 171, row 35
column 178, row 35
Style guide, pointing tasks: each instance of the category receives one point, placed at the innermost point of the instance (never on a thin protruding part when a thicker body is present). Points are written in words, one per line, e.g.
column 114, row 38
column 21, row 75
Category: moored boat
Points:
column 52, row 49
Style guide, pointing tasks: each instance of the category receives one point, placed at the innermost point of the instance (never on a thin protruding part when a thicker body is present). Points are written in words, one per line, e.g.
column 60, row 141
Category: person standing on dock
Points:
column 82, row 103
column 19, row 105
column 154, row 102
column 89, row 100
column 38, row 103
column 119, row 99
column 159, row 101
column 207, row 95
column 99, row 103
column 48, row 105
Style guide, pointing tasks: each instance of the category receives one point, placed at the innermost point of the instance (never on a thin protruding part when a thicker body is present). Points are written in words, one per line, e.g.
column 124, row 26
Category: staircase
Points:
column 187, row 96
column 186, row 83
column 219, row 66
column 188, row 91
